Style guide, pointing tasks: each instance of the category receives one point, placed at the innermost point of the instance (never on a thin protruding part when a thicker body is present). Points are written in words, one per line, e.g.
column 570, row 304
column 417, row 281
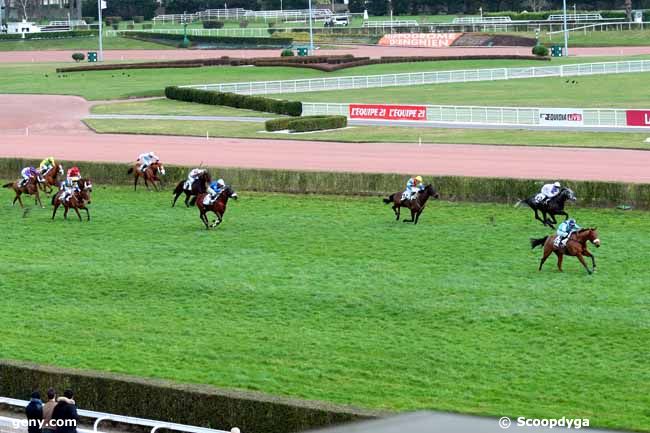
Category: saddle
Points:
column 540, row 198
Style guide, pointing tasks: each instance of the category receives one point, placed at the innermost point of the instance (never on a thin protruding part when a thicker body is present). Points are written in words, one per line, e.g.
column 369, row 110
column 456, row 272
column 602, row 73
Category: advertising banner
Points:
column 424, row 40
column 638, row 117
column 561, row 117
column 388, row 112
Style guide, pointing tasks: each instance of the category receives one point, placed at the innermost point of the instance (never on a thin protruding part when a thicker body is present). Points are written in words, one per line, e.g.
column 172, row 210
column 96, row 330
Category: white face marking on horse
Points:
column 597, row 242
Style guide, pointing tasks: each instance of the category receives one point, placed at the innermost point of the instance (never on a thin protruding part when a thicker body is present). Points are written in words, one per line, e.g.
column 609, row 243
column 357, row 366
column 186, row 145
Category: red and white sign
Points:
column 388, row 112
column 638, row 117
column 561, row 117
column 424, row 40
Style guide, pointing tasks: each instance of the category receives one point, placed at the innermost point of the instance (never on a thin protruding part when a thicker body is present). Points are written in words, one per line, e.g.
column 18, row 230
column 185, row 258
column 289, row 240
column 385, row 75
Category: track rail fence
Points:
column 525, row 116
column 421, row 78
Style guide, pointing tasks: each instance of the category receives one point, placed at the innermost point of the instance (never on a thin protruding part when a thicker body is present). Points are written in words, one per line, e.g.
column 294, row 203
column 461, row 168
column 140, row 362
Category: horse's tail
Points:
column 537, row 242
column 130, row 170
column 390, row 199
column 520, row 202
column 53, row 199
column 8, row 185
column 193, row 200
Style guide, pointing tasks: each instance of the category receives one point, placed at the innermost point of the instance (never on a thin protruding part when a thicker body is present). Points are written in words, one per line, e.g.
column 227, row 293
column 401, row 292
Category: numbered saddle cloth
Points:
column 540, row 197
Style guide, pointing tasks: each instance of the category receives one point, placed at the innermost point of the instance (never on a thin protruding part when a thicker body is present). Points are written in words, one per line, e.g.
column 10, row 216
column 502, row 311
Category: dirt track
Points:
column 368, row 51
column 54, row 128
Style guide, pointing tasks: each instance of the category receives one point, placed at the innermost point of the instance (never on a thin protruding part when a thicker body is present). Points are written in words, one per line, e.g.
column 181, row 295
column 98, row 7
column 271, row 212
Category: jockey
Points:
column 46, row 164
column 146, row 159
column 413, row 186
column 192, row 177
column 28, row 173
column 70, row 186
column 215, row 188
column 550, row 190
column 564, row 232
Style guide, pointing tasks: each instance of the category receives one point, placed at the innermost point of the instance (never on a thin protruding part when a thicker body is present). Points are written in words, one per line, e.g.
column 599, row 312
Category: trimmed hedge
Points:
column 257, row 103
column 51, row 35
column 218, row 40
column 452, row 188
column 541, row 16
column 212, row 24
column 540, row 50
column 307, row 123
column 198, row 405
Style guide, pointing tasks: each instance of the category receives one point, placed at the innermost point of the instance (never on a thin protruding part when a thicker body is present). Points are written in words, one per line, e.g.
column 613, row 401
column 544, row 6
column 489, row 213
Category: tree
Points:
column 26, row 7
column 628, row 10
column 536, row 5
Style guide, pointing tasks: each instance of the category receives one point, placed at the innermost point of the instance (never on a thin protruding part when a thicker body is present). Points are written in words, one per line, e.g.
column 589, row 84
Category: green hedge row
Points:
column 519, row 16
column 51, row 35
column 219, row 40
column 307, row 123
column 452, row 188
column 257, row 103
column 198, row 405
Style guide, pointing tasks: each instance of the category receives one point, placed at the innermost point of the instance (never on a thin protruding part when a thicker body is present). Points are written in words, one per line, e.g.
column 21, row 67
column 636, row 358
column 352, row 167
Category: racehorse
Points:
column 200, row 186
column 218, row 207
column 150, row 174
column 416, row 205
column 78, row 199
column 50, row 178
column 29, row 188
column 575, row 246
column 552, row 207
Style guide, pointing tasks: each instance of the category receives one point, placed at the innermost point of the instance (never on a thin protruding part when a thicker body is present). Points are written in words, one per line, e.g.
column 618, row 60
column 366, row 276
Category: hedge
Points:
column 219, row 40
column 257, row 103
column 51, row 35
column 541, row 16
column 452, row 188
column 198, row 405
column 307, row 123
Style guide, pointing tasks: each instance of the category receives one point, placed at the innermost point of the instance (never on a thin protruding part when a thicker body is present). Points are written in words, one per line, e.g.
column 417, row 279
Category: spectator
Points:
column 47, row 411
column 65, row 414
column 34, row 412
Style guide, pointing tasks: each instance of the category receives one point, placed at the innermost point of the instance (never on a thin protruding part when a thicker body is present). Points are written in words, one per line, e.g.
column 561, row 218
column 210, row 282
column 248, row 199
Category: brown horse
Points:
column 416, row 205
column 30, row 188
column 50, row 178
column 78, row 199
column 150, row 174
column 218, row 207
column 575, row 246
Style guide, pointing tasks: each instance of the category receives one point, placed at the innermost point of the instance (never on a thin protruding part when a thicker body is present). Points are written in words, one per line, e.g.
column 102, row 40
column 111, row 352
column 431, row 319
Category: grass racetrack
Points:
column 329, row 298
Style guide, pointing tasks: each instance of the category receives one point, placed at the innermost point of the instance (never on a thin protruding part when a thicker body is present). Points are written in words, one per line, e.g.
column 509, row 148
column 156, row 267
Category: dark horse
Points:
column 552, row 207
column 200, row 186
column 78, row 199
column 50, row 178
column 575, row 246
column 218, row 207
column 150, row 174
column 416, row 205
column 29, row 188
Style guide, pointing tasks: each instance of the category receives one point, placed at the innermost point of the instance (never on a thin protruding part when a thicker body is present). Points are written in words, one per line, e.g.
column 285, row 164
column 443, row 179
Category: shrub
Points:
column 257, row 103
column 212, row 24
column 317, row 123
column 138, row 19
column 116, row 26
column 130, row 26
column 78, row 57
column 243, row 24
column 277, row 124
column 231, row 41
column 113, row 20
column 147, row 26
column 286, row 53
column 89, row 20
column 540, row 50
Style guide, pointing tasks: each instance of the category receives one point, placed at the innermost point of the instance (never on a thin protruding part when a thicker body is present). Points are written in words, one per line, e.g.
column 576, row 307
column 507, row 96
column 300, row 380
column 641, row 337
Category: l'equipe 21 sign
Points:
column 387, row 112
column 561, row 117
column 638, row 117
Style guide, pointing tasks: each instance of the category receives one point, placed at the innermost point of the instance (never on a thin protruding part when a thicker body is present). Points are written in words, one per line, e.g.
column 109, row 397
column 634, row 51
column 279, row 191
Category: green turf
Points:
column 379, row 134
column 42, row 78
column 81, row 44
column 329, row 298
column 177, row 108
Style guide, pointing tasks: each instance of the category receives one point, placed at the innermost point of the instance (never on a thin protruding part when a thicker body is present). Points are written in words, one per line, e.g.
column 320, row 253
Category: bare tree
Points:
column 26, row 7
column 628, row 10
column 536, row 5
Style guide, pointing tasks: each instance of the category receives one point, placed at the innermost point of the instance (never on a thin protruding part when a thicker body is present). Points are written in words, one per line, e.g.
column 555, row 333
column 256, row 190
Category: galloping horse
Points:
column 554, row 206
column 29, row 188
column 218, row 207
column 50, row 178
column 200, row 186
column 150, row 174
column 416, row 205
column 78, row 199
column 575, row 246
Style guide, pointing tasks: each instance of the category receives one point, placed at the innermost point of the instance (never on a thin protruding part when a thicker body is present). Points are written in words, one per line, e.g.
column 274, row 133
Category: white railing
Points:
column 526, row 116
column 481, row 20
column 389, row 24
column 246, row 32
column 575, row 17
column 101, row 416
column 603, row 27
column 420, row 78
